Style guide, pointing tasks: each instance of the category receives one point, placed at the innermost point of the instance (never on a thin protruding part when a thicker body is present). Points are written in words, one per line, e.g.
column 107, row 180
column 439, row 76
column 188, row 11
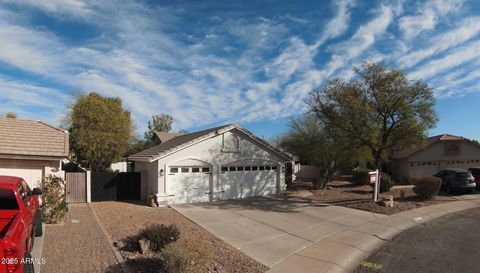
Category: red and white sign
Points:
column 373, row 178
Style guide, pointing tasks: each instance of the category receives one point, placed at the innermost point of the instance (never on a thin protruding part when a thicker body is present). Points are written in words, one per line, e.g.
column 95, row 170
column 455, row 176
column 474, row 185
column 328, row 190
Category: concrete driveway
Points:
column 272, row 229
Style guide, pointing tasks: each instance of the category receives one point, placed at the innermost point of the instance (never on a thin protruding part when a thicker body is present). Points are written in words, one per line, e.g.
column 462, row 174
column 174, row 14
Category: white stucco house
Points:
column 226, row 162
column 31, row 149
column 439, row 152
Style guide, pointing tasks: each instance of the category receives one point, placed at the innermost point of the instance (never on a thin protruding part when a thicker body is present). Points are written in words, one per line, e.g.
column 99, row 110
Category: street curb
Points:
column 115, row 251
column 411, row 218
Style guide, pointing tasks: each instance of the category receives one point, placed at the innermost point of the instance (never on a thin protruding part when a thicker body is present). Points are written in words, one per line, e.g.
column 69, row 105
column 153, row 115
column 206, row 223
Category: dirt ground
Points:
column 127, row 219
column 78, row 245
column 346, row 194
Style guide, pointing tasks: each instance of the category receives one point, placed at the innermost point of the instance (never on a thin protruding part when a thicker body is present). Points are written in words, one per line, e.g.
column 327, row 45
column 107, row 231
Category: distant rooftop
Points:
column 430, row 141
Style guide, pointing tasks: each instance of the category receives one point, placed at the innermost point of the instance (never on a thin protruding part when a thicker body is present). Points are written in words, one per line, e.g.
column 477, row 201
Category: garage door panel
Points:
column 32, row 176
column 189, row 187
column 242, row 184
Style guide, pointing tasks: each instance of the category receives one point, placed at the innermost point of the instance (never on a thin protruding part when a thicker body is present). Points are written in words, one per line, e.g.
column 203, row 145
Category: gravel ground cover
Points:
column 77, row 246
column 122, row 219
column 346, row 194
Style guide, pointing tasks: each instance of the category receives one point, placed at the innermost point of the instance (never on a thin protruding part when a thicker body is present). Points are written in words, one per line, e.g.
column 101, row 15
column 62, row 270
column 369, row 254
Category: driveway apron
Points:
column 272, row 229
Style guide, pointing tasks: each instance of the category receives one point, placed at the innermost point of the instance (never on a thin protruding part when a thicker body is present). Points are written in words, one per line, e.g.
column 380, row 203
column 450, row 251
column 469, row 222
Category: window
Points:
column 240, row 168
column 7, row 199
column 195, row 170
column 247, row 168
column 231, row 168
column 261, row 168
column 224, row 169
column 29, row 192
column 267, row 168
column 185, row 170
column 23, row 194
column 254, row 168
column 205, row 170
column 274, row 167
column 173, row 170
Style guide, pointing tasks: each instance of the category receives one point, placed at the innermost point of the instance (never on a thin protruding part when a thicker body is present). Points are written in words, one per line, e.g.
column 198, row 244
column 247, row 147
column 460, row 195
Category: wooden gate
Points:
column 76, row 187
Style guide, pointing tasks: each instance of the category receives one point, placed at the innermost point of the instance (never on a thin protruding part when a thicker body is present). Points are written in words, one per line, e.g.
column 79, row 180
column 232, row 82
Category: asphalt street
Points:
column 447, row 244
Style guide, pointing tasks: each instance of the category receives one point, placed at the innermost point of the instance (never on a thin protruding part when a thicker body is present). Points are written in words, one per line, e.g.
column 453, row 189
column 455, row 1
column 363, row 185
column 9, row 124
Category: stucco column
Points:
column 89, row 186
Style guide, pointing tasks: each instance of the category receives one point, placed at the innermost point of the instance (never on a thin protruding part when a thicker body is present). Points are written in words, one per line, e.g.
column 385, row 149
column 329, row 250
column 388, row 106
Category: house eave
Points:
column 32, row 157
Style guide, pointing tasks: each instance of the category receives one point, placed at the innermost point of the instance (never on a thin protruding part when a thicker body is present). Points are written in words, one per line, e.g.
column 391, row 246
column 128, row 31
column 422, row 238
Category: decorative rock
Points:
column 387, row 201
column 118, row 244
column 144, row 246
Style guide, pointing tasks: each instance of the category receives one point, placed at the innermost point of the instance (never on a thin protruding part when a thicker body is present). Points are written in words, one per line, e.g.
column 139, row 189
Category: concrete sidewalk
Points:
column 296, row 235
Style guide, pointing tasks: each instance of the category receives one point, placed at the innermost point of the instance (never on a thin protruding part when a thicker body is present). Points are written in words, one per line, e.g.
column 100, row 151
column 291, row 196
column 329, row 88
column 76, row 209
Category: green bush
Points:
column 54, row 205
column 360, row 176
column 190, row 256
column 386, row 182
column 427, row 187
column 159, row 236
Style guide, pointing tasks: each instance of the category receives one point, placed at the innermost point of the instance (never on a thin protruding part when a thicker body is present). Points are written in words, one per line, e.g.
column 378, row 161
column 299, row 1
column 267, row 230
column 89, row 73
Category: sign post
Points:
column 375, row 179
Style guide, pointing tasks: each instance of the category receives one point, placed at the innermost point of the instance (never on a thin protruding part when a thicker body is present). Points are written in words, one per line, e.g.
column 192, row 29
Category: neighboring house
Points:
column 439, row 152
column 31, row 149
column 225, row 162
column 161, row 137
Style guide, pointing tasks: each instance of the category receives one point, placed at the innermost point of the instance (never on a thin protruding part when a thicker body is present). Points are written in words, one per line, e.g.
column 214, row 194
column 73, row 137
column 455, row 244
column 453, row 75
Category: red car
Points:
column 20, row 222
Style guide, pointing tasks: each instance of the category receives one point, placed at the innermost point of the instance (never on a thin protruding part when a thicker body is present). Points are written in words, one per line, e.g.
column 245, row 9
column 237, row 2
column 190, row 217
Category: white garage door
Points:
column 240, row 181
column 187, row 184
column 424, row 169
column 32, row 176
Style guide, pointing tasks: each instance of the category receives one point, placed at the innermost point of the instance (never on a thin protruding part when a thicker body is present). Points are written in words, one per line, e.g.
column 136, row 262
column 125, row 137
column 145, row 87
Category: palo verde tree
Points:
column 379, row 109
column 100, row 130
column 308, row 139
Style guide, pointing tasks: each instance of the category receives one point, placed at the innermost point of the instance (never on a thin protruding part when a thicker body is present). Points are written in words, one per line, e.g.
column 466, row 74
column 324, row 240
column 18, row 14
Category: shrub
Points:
column 54, row 205
column 360, row 176
column 427, row 187
column 386, row 182
column 191, row 256
column 159, row 235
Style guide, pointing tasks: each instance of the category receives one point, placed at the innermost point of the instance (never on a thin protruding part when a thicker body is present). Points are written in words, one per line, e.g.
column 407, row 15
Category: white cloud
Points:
column 58, row 7
column 364, row 37
column 339, row 24
column 296, row 19
column 346, row 53
column 467, row 29
column 18, row 50
column 296, row 57
column 427, row 16
column 236, row 70
column 459, row 56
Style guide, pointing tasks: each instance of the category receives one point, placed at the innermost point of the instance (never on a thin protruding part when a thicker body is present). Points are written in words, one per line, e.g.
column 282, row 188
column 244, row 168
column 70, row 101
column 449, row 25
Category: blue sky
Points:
column 248, row 62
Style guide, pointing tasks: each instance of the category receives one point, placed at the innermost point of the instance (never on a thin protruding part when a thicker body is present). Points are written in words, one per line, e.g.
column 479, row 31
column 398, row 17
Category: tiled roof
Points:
column 178, row 142
column 32, row 138
column 164, row 136
column 430, row 141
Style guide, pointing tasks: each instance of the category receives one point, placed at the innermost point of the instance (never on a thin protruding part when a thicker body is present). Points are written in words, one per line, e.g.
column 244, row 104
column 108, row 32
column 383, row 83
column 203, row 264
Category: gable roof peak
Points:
column 156, row 152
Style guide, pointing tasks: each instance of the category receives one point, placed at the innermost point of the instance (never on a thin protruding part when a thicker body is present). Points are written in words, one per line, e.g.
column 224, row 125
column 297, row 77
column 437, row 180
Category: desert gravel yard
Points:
column 76, row 246
column 346, row 194
column 127, row 219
